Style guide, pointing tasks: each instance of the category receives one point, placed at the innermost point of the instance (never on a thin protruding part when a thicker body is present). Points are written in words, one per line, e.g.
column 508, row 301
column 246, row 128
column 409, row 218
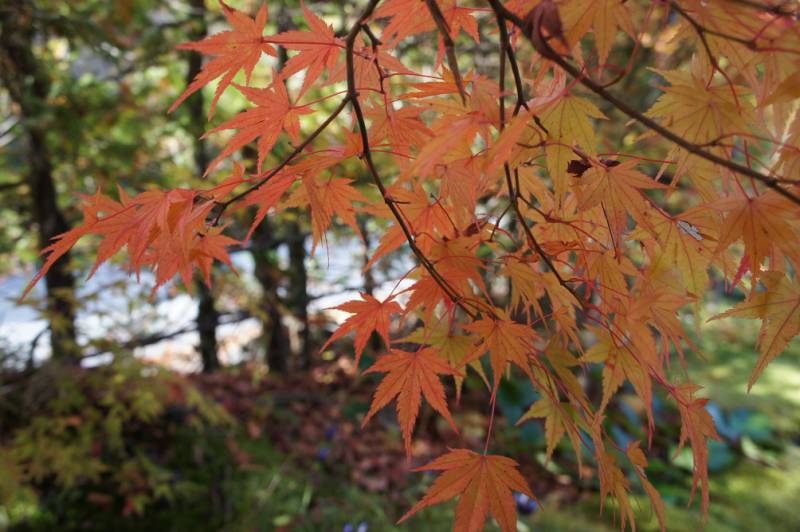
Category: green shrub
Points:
column 125, row 444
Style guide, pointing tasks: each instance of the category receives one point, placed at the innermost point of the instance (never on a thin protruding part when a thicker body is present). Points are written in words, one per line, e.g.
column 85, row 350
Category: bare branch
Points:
column 444, row 31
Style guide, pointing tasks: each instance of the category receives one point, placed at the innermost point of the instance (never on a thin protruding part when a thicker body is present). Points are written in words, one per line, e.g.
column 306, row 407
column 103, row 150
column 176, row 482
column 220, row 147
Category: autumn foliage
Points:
column 499, row 178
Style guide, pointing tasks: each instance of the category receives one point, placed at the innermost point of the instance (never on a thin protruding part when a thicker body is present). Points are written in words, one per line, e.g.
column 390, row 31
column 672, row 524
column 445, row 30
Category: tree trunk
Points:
column 207, row 314
column 298, row 291
column 267, row 272
column 28, row 85
column 207, row 322
column 375, row 341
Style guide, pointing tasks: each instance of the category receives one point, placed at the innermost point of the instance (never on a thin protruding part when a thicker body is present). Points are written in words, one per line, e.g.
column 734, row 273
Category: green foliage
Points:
column 125, row 439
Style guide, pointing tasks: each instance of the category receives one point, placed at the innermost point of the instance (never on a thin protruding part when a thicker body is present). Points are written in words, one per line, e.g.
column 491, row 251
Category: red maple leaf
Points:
column 234, row 50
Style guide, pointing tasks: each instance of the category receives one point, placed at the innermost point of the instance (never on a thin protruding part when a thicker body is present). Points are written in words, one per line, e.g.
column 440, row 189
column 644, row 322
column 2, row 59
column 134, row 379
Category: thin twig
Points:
column 295, row 152
column 546, row 51
column 352, row 94
column 512, row 191
column 702, row 30
column 444, row 31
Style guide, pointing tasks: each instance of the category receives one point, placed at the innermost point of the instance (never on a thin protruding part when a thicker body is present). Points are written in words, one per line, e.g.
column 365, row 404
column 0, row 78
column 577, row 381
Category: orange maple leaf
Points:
column 506, row 342
column 372, row 65
column 426, row 220
column 765, row 223
column 485, row 483
column 410, row 375
column 697, row 426
column 268, row 194
column 367, row 316
column 273, row 113
column 779, row 309
column 164, row 230
column 234, row 50
column 319, row 49
column 617, row 187
column 327, row 197
column 639, row 461
column 409, row 17
column 558, row 421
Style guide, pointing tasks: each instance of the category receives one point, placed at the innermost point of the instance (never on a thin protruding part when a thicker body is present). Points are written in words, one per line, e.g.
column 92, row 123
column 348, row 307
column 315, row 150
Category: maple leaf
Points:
column 426, row 294
column 410, row 17
column 424, row 219
column 529, row 285
column 786, row 91
column 273, row 113
column 614, row 482
column 450, row 136
column 684, row 241
column 327, row 197
column 453, row 348
column 267, row 196
column 233, row 50
column 456, row 260
column 367, row 316
column 639, row 461
column 778, row 308
column 617, row 189
column 698, row 111
column 505, row 340
column 620, row 364
column 372, row 65
column 62, row 243
column 697, row 426
column 657, row 304
column 165, row 230
column 409, row 376
column 319, row 49
column 604, row 16
column 403, row 127
column 556, row 422
column 765, row 225
column 568, row 122
column 485, row 484
column 789, row 154
column 211, row 246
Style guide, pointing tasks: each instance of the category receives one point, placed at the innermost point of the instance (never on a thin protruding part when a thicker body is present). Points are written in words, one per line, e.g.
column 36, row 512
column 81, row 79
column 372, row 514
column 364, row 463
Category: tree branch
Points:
column 541, row 46
column 505, row 50
column 352, row 96
column 295, row 152
column 444, row 31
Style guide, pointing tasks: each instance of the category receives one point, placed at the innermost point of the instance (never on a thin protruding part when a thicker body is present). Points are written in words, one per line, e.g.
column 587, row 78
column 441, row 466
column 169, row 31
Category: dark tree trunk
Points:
column 267, row 272
column 207, row 314
column 369, row 279
column 207, row 322
column 28, row 85
column 375, row 341
column 298, row 292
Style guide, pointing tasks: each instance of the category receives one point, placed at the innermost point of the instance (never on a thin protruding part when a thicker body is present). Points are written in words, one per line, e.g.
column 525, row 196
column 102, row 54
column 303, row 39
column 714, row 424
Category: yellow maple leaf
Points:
column 779, row 309
column 568, row 122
